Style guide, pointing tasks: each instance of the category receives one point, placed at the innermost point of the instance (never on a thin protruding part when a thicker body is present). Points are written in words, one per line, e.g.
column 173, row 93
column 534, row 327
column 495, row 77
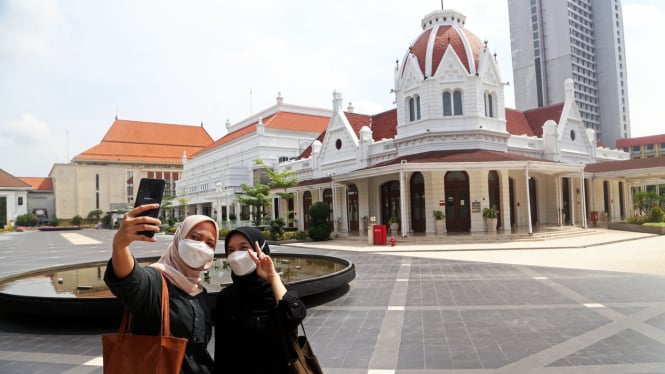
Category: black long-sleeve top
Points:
column 141, row 293
column 247, row 323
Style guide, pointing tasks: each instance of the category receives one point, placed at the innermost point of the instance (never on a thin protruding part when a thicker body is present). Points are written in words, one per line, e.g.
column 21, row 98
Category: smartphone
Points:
column 150, row 191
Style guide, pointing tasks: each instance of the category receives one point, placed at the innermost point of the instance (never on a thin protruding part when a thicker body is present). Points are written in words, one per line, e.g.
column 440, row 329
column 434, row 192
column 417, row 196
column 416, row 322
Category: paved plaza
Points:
column 587, row 303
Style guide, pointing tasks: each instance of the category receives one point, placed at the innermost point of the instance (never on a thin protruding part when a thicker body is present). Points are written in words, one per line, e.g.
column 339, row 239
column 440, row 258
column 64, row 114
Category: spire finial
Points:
column 441, row 4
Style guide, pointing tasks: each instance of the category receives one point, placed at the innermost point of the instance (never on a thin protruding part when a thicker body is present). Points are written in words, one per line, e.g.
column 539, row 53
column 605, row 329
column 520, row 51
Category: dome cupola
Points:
column 443, row 29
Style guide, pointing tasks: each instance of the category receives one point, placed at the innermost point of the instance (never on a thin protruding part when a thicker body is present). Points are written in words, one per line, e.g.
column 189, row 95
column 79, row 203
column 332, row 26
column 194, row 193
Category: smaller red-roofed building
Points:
column 13, row 198
column 41, row 200
column 644, row 146
column 104, row 176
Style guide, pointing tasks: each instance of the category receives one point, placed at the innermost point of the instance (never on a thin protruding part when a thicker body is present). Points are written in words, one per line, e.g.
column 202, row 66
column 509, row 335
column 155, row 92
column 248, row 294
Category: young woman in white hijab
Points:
column 139, row 288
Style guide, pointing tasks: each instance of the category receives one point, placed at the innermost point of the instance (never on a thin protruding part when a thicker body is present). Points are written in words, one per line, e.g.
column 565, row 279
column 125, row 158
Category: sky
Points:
column 67, row 68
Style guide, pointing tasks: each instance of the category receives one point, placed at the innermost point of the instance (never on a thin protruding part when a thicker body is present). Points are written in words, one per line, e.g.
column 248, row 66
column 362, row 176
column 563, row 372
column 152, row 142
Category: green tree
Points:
column 282, row 180
column 645, row 201
column 258, row 198
column 319, row 228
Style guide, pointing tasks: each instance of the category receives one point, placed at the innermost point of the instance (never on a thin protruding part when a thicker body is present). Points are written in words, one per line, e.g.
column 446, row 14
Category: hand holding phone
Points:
column 150, row 191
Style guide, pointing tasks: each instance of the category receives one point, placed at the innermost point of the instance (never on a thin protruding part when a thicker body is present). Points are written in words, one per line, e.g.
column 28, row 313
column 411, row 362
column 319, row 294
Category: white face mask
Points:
column 241, row 263
column 195, row 253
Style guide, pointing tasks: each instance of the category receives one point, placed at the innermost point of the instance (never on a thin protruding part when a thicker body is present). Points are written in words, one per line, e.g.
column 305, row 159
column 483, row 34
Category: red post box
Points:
column 594, row 217
column 380, row 234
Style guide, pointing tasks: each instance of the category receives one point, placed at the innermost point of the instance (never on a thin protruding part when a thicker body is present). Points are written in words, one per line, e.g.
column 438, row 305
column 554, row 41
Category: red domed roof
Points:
column 445, row 28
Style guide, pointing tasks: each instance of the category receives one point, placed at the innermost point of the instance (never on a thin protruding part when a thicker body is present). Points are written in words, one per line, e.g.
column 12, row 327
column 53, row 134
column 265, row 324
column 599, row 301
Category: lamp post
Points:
column 218, row 191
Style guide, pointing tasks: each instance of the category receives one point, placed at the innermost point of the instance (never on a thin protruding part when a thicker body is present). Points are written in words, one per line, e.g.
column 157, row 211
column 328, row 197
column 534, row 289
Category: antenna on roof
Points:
column 67, row 134
column 250, row 101
column 441, row 4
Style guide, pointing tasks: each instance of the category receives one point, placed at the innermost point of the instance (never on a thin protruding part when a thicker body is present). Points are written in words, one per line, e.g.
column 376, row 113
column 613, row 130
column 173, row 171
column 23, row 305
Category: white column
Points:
column 528, row 199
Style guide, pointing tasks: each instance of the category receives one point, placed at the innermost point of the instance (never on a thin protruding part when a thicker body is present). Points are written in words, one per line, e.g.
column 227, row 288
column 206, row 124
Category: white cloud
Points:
column 26, row 130
column 28, row 29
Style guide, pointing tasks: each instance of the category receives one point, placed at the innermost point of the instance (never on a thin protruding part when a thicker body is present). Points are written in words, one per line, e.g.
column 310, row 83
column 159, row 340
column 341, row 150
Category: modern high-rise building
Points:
column 554, row 40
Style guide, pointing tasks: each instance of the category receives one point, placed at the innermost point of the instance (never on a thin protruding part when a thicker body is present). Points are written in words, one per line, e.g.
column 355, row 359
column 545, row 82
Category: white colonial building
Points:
column 450, row 144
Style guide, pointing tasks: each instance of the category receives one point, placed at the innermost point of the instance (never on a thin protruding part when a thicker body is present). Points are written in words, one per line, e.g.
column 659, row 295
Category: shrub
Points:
column 277, row 228
column 27, row 220
column 656, row 214
column 636, row 220
column 107, row 222
column 490, row 213
column 76, row 220
column 319, row 226
column 438, row 215
column 55, row 221
column 93, row 216
column 223, row 233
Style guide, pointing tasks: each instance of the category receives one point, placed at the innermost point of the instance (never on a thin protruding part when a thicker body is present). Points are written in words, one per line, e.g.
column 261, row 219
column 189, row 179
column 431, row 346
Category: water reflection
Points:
column 87, row 281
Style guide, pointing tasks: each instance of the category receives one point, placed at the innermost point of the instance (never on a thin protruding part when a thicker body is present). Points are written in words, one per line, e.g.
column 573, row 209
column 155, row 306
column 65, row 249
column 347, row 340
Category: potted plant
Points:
column 439, row 220
column 491, row 216
column 365, row 223
column 394, row 224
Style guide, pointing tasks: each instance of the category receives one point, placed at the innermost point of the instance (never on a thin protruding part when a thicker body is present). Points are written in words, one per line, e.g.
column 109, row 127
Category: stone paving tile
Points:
column 450, row 316
column 627, row 346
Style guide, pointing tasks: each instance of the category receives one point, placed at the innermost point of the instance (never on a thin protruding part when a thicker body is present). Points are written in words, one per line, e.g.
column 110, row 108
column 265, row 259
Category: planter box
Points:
column 440, row 226
column 636, row 228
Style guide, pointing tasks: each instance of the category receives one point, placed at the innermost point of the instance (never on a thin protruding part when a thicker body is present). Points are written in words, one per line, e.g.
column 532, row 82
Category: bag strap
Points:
column 290, row 340
column 166, row 316
column 165, row 323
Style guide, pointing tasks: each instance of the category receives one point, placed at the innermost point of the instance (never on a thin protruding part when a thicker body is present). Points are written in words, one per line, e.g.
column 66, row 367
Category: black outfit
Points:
column 247, row 322
column 141, row 293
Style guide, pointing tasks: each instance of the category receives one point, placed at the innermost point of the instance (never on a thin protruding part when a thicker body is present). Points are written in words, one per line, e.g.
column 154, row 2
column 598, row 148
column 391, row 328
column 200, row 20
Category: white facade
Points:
column 214, row 176
column 450, row 150
column 582, row 40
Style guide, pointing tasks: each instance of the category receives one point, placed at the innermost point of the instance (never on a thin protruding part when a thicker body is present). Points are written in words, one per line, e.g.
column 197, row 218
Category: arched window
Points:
column 489, row 105
column 447, row 105
column 457, row 101
column 414, row 108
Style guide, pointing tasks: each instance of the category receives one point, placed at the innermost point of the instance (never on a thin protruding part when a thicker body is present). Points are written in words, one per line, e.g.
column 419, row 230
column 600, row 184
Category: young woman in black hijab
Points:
column 250, row 312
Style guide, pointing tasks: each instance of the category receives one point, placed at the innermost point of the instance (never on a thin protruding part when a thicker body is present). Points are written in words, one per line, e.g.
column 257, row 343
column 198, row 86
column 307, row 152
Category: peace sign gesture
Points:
column 265, row 268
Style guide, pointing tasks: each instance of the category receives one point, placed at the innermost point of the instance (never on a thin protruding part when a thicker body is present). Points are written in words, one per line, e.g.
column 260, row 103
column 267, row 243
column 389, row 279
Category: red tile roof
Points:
column 38, row 184
column 537, row 117
column 517, row 124
column 633, row 164
column 629, row 142
column 134, row 141
column 280, row 121
column 9, row 181
column 446, row 35
column 383, row 125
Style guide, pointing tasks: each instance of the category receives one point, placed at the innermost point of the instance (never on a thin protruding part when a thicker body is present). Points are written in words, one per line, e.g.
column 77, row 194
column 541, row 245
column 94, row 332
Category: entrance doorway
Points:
column 418, row 222
column 494, row 193
column 3, row 211
column 390, row 203
column 306, row 204
column 458, row 217
column 352, row 201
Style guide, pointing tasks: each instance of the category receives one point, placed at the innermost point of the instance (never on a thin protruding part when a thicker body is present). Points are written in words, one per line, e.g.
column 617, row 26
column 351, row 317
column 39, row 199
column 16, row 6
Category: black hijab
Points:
column 250, row 281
